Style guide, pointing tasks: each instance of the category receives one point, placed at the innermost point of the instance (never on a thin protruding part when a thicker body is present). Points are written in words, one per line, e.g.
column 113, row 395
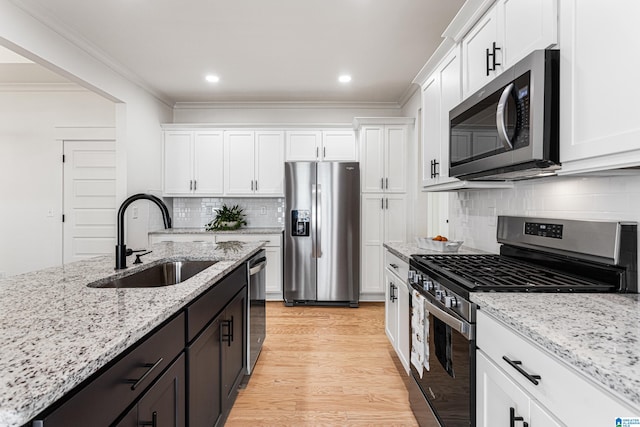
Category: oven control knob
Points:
column 412, row 274
column 427, row 285
column 450, row 301
column 417, row 278
column 439, row 294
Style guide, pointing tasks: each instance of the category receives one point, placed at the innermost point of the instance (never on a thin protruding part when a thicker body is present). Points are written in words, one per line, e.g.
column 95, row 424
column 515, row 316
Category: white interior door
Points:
column 89, row 199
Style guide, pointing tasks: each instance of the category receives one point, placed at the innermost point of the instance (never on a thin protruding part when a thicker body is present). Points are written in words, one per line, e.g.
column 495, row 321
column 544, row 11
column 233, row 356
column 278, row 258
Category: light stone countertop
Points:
column 405, row 250
column 597, row 334
column 55, row 331
column 245, row 230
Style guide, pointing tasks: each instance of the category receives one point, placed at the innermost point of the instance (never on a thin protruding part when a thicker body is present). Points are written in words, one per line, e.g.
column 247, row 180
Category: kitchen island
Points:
column 55, row 331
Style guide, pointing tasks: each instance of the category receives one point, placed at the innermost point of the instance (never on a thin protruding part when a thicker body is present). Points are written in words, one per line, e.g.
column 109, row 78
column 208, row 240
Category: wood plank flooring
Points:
column 324, row 366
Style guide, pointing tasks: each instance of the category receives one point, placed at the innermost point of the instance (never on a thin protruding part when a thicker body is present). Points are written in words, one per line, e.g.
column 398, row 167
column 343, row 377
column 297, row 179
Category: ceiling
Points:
column 262, row 50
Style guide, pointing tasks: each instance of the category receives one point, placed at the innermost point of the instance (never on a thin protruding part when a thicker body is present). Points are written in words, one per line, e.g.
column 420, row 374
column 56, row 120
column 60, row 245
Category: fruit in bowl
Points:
column 438, row 243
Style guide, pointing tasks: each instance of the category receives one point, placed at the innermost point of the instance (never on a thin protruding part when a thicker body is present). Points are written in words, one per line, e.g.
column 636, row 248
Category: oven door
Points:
column 448, row 386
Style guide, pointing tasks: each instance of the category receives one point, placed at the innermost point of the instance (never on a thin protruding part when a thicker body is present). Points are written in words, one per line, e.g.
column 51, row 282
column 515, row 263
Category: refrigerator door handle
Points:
column 318, row 220
column 314, row 221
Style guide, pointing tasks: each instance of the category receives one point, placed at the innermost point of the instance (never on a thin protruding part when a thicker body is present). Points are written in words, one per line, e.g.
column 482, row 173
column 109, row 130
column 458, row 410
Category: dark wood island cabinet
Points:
column 186, row 372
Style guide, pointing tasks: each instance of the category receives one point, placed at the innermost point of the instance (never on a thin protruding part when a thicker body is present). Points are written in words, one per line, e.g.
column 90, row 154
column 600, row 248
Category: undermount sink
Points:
column 164, row 274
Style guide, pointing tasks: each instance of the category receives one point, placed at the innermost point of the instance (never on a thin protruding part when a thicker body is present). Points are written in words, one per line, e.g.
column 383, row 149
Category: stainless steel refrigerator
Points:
column 322, row 233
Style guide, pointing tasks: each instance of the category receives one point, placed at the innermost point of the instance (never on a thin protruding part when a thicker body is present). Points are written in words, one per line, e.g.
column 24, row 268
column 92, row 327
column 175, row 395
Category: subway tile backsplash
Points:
column 472, row 214
column 189, row 212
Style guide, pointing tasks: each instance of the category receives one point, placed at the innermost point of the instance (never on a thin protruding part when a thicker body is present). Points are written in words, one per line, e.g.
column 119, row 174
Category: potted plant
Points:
column 227, row 218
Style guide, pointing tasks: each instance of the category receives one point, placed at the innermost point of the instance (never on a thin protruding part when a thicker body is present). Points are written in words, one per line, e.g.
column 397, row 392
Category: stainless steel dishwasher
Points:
column 256, row 324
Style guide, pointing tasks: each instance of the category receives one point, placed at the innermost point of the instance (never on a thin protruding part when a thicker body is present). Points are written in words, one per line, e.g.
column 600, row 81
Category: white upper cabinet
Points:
column 440, row 94
column 599, row 63
column 327, row 145
column 481, row 48
column 339, row 145
column 254, row 163
column 383, row 158
column 507, row 32
column 193, row 163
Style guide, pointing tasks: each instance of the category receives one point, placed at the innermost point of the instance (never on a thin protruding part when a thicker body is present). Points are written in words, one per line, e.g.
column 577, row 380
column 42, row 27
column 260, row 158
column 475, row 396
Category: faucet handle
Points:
column 131, row 251
column 138, row 260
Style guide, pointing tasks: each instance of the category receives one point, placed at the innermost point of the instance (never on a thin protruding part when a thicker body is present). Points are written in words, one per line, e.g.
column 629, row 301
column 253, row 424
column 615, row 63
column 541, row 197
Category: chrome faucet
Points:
column 121, row 248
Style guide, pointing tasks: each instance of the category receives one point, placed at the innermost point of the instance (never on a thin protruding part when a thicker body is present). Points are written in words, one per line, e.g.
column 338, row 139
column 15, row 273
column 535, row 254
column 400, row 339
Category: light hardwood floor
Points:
column 326, row 366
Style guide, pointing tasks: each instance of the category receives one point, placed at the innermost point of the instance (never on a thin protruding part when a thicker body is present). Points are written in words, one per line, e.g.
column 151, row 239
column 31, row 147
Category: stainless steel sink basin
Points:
column 165, row 274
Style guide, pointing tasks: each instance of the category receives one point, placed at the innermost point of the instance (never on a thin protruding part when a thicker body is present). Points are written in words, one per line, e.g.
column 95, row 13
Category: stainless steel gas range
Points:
column 536, row 255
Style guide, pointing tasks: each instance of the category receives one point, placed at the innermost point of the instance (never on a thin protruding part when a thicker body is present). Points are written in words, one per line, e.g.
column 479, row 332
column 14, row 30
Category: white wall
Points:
column 138, row 113
column 31, row 171
column 472, row 216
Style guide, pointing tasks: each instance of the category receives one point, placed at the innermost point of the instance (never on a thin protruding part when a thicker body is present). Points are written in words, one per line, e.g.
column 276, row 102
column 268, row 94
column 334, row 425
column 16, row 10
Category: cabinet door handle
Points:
column 151, row 366
column 251, row 185
column 153, row 422
column 516, row 365
column 190, row 185
column 382, row 183
column 387, row 203
column 317, row 152
column 492, row 55
column 195, row 185
column 386, row 180
column 487, row 58
column 382, row 203
column 324, row 151
column 226, row 337
column 495, row 64
column 513, row 419
column 256, row 185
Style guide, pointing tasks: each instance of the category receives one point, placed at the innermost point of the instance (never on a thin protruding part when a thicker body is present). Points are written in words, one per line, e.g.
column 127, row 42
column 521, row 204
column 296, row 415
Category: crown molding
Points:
column 467, row 16
column 41, row 87
column 47, row 19
column 363, row 121
column 255, row 126
column 408, row 93
column 283, row 105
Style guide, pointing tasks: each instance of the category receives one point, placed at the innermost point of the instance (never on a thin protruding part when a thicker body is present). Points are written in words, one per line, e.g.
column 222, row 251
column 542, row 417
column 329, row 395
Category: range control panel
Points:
column 553, row 231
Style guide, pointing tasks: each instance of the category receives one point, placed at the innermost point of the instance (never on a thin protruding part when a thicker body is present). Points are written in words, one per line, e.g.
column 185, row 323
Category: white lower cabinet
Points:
column 396, row 306
column 508, row 364
column 383, row 221
column 501, row 402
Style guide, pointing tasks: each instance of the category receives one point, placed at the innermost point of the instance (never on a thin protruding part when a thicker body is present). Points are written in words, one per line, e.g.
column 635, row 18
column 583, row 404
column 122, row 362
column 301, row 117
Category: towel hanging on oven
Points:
column 419, row 333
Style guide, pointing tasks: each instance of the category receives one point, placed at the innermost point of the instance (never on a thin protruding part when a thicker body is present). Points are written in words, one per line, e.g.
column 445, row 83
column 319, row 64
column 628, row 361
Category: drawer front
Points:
column 104, row 398
column 271, row 239
column 395, row 265
column 199, row 237
column 210, row 303
column 562, row 389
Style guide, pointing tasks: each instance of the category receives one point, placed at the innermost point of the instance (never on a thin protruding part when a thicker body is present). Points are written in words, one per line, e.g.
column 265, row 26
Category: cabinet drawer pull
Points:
column 516, row 365
column 228, row 337
column 153, row 422
column 513, row 419
column 151, row 366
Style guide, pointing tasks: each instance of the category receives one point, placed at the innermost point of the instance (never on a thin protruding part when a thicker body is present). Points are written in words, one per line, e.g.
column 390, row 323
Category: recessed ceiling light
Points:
column 212, row 79
column 345, row 78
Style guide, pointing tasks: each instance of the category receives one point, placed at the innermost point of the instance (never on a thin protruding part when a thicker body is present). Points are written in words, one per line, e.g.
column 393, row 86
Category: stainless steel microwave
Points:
column 508, row 130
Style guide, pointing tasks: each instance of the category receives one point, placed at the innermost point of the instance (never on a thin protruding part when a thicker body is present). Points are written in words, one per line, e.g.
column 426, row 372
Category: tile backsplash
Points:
column 472, row 214
column 189, row 212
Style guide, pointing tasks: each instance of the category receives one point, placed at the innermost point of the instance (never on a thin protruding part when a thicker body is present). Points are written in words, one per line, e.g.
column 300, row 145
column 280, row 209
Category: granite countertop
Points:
column 405, row 250
column 256, row 230
column 55, row 331
column 597, row 334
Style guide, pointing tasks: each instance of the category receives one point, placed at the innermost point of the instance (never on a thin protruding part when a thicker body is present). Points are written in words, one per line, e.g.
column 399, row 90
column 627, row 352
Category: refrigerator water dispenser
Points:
column 300, row 220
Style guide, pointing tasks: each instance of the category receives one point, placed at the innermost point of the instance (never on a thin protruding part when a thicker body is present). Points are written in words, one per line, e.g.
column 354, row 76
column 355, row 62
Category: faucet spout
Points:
column 121, row 248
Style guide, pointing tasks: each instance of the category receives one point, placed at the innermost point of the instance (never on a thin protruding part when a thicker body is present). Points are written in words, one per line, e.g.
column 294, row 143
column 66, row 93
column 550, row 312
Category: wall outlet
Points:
column 263, row 210
column 50, row 213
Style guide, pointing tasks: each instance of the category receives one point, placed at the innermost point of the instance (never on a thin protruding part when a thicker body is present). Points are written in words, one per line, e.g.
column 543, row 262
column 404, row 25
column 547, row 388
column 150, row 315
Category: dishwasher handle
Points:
column 257, row 265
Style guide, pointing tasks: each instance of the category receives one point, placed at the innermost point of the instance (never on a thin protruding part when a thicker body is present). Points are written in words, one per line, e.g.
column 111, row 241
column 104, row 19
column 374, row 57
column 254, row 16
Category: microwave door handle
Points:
column 500, row 117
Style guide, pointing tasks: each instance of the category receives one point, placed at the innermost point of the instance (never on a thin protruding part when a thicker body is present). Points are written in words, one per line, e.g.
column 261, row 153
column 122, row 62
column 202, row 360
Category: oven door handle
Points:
column 464, row 328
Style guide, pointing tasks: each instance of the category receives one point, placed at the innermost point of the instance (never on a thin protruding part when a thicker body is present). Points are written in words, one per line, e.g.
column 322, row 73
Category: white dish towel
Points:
column 419, row 333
